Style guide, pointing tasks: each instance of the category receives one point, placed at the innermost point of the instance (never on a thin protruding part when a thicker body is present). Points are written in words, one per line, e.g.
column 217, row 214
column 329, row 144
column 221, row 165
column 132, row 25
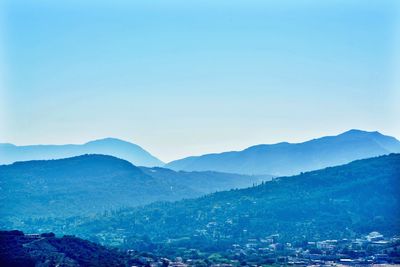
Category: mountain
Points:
column 333, row 203
column 20, row 250
column 89, row 184
column 288, row 159
column 10, row 153
column 78, row 185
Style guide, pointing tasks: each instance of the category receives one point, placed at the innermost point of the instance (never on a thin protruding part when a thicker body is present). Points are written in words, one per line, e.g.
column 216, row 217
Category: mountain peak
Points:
column 109, row 140
column 357, row 132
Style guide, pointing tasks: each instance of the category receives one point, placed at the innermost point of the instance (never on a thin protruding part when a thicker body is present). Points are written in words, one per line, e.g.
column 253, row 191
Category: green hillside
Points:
column 335, row 202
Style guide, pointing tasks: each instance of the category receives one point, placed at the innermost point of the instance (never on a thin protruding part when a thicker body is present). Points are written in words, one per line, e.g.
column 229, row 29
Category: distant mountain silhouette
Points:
column 288, row 159
column 90, row 184
column 10, row 153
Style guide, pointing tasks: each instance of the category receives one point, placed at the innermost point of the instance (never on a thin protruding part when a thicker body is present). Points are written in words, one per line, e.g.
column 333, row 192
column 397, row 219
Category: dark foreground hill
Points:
column 19, row 250
column 94, row 183
column 289, row 159
column 333, row 203
column 133, row 153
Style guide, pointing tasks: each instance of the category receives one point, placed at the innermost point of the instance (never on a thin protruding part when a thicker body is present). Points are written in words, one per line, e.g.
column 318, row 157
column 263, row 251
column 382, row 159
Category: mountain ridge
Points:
column 79, row 185
column 89, row 184
column 291, row 158
column 10, row 153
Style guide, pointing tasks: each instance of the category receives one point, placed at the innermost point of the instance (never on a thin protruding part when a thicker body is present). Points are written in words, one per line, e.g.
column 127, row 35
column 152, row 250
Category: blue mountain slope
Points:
column 109, row 146
column 287, row 159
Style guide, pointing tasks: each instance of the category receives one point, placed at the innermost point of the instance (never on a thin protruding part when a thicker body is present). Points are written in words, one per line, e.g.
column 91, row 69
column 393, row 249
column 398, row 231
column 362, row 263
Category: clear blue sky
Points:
column 184, row 78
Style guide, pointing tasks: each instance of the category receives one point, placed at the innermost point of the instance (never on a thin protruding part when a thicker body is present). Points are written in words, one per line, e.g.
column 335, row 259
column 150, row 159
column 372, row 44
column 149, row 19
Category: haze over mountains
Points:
column 133, row 153
column 288, row 159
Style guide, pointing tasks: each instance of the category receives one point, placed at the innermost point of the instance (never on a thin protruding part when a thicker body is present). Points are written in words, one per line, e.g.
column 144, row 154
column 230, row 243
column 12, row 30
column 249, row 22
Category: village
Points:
column 368, row 250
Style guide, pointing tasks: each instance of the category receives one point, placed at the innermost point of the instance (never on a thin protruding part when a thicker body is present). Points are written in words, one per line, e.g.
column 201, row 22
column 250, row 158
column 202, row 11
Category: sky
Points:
column 184, row 78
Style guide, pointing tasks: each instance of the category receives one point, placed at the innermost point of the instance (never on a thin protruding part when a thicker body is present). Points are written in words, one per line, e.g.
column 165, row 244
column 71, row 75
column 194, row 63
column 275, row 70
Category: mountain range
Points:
column 133, row 153
column 89, row 184
column 289, row 159
column 276, row 159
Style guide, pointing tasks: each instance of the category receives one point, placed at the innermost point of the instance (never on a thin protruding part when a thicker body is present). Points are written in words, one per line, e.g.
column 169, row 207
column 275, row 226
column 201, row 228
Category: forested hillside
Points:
column 78, row 186
column 90, row 184
column 335, row 202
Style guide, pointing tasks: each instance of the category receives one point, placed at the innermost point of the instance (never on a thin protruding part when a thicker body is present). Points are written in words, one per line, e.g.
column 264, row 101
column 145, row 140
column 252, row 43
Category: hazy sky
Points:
column 186, row 77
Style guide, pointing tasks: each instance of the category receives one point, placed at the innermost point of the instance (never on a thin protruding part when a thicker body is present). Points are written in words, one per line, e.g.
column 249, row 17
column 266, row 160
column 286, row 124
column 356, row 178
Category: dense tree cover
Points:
column 94, row 183
column 12, row 253
column 335, row 202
